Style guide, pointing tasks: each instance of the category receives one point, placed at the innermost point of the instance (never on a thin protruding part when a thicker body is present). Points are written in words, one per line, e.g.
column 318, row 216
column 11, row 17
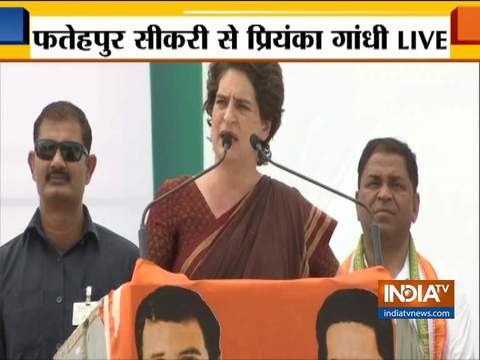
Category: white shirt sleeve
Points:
column 460, row 342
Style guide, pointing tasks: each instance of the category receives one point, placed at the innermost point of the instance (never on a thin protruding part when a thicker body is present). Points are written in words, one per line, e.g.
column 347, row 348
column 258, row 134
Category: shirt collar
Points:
column 404, row 273
column 89, row 227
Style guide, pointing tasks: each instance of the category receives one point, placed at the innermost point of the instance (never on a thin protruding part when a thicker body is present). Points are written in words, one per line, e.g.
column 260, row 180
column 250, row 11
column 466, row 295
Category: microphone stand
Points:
column 265, row 156
column 142, row 231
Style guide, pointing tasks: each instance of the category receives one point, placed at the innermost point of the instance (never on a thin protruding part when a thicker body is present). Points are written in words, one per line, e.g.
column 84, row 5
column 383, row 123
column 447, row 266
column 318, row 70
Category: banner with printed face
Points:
column 164, row 315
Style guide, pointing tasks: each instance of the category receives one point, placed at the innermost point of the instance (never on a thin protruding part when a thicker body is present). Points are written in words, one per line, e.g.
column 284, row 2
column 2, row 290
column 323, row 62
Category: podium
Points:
column 252, row 319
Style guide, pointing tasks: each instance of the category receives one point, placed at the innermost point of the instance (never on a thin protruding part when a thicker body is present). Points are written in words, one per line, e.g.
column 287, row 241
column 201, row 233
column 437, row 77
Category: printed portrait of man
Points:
column 176, row 323
column 348, row 327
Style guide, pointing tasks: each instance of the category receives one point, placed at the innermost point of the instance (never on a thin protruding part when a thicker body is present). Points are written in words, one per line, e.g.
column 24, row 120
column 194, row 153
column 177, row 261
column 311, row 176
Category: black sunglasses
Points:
column 70, row 150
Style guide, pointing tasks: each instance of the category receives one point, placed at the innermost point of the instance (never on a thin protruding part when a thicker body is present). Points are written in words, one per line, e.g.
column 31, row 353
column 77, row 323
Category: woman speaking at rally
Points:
column 235, row 222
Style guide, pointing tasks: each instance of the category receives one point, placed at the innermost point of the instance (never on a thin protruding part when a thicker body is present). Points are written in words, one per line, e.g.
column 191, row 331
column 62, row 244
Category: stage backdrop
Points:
column 331, row 111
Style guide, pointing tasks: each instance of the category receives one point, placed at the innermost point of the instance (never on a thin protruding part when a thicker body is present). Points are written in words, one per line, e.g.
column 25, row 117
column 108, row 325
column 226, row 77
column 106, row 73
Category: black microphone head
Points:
column 262, row 149
column 226, row 141
column 256, row 142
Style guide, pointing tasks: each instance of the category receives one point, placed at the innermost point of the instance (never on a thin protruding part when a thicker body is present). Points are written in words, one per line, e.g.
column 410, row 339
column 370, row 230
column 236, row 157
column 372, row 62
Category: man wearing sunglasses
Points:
column 45, row 271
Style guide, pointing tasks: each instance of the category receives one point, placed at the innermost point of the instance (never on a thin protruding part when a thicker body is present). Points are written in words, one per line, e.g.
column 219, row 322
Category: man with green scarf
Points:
column 387, row 183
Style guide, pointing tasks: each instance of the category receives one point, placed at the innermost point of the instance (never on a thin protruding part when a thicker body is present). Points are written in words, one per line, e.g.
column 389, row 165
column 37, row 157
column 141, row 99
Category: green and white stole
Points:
column 422, row 324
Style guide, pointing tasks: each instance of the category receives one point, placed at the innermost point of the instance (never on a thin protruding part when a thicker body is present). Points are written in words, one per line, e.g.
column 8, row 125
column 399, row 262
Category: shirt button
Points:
column 58, row 346
column 59, row 299
column 59, row 259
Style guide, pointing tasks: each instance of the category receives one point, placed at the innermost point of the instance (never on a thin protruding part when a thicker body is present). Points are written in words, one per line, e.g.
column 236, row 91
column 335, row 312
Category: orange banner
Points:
column 250, row 319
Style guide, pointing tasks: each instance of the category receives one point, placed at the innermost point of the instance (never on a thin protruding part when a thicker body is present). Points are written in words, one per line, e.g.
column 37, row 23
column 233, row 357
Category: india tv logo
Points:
column 416, row 299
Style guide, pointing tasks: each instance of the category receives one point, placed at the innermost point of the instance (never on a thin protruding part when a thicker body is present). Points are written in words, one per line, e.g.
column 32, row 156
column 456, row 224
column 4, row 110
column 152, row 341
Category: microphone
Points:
column 142, row 231
column 265, row 156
